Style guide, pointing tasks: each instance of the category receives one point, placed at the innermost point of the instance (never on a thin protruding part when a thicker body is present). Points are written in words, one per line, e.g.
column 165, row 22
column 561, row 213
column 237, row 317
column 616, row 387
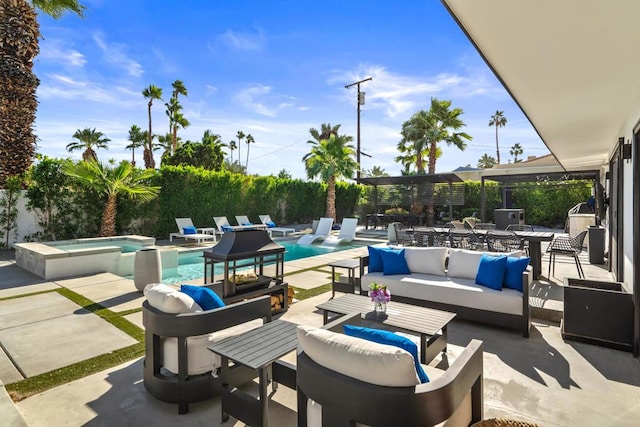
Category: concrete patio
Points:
column 541, row 379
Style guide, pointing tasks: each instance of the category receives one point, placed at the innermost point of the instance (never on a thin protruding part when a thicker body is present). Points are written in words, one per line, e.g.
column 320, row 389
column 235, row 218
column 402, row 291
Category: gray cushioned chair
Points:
column 182, row 388
column 346, row 400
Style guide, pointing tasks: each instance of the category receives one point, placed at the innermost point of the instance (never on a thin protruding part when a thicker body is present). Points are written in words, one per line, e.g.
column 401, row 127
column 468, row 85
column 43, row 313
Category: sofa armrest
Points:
column 527, row 279
column 193, row 324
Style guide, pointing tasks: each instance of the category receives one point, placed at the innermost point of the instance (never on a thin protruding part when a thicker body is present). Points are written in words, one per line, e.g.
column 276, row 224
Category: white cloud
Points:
column 261, row 100
column 57, row 86
column 115, row 54
column 243, row 41
column 56, row 51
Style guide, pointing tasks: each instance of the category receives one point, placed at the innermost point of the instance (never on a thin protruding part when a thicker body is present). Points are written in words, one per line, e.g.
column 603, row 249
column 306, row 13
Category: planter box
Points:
column 598, row 312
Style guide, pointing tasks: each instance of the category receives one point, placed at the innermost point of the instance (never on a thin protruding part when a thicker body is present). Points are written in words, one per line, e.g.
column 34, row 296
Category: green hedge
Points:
column 202, row 194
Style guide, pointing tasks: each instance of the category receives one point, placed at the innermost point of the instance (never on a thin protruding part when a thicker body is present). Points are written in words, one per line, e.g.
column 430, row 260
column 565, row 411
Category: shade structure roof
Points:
column 570, row 66
column 448, row 178
column 243, row 244
column 544, row 176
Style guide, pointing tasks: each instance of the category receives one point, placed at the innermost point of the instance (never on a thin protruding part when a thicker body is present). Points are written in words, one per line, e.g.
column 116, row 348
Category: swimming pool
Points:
column 191, row 264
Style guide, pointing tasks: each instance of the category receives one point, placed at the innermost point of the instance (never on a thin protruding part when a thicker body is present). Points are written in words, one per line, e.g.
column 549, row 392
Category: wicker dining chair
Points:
column 465, row 239
column 503, row 241
column 564, row 245
column 404, row 236
column 430, row 237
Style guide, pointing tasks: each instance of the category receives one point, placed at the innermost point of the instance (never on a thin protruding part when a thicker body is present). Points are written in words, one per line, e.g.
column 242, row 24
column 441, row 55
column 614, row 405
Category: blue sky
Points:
column 273, row 69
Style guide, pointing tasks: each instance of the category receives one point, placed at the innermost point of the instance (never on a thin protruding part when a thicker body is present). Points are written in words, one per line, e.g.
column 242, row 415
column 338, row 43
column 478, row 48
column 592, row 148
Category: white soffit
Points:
column 572, row 66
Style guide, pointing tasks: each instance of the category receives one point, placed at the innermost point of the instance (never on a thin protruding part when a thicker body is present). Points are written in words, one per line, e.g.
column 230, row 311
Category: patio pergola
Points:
column 507, row 179
column 438, row 178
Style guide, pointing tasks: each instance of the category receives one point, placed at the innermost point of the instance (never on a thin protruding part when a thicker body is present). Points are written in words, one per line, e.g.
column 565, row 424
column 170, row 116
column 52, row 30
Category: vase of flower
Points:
column 380, row 296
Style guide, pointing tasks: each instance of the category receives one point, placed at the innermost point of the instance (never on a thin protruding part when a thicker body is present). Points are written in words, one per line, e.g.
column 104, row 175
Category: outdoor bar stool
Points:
column 571, row 246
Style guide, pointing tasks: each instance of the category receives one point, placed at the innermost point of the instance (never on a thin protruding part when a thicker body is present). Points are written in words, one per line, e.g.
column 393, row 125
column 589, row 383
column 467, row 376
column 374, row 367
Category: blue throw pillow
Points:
column 205, row 297
column 189, row 230
column 513, row 274
column 491, row 271
column 271, row 224
column 388, row 338
column 375, row 259
column 394, row 262
column 226, row 228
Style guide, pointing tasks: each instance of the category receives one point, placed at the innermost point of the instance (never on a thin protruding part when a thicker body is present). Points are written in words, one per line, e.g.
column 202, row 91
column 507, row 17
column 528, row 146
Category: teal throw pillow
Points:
column 271, row 224
column 394, row 262
column 375, row 259
column 189, row 230
column 205, row 297
column 513, row 274
column 491, row 271
column 388, row 338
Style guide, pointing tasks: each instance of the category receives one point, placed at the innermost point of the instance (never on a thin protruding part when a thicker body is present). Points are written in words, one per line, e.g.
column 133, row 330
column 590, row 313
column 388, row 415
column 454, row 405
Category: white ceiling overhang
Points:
column 571, row 65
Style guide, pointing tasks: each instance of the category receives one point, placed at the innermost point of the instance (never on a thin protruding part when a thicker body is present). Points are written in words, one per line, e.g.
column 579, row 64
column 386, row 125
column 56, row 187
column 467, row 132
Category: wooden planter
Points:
column 598, row 312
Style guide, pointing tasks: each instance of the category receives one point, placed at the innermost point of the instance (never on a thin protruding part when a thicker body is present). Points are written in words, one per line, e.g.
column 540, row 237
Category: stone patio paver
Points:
column 309, row 279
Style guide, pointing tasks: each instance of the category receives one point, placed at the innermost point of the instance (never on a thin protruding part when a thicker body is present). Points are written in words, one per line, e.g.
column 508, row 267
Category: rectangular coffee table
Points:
column 429, row 323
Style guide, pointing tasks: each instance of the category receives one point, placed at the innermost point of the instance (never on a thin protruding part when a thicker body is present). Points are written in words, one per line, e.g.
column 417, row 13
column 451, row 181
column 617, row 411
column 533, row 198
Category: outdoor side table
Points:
column 349, row 286
column 257, row 349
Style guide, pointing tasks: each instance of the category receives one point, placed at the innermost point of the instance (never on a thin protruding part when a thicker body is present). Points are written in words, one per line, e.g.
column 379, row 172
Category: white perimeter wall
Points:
column 27, row 223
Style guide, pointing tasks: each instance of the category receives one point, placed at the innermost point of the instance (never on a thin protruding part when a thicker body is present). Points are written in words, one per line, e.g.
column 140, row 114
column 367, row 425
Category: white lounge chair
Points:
column 198, row 236
column 243, row 220
column 222, row 223
column 266, row 220
column 347, row 232
column 322, row 232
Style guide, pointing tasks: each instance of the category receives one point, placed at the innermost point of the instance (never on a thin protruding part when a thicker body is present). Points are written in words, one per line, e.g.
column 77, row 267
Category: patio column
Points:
column 482, row 200
column 451, row 200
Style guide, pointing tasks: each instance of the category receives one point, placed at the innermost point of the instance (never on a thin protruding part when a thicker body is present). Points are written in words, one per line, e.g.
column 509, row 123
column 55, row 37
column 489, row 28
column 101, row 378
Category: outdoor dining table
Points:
column 534, row 238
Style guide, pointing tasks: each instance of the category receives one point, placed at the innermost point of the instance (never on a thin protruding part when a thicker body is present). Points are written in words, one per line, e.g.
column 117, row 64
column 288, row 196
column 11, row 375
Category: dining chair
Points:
column 570, row 246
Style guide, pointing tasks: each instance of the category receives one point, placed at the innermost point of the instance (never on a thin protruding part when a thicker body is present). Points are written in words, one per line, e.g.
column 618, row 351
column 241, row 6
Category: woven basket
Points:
column 504, row 422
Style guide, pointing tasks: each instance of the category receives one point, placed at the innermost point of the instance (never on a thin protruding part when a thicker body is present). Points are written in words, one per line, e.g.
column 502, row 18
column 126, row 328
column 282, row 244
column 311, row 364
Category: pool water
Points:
column 191, row 265
column 127, row 247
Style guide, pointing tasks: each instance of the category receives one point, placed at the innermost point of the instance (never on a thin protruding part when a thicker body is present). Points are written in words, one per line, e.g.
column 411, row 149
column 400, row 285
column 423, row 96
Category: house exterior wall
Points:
column 27, row 223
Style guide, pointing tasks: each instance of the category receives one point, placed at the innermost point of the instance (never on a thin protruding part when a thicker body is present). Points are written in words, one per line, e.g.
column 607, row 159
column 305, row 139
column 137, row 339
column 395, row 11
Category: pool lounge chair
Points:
column 322, row 232
column 222, row 223
column 266, row 220
column 347, row 232
column 243, row 220
column 197, row 235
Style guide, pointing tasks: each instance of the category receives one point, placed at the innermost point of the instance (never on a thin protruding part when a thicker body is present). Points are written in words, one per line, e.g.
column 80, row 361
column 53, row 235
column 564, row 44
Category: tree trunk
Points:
column 89, row 154
column 432, row 170
column 149, row 163
column 108, row 226
column 19, row 34
column 331, row 197
column 497, row 147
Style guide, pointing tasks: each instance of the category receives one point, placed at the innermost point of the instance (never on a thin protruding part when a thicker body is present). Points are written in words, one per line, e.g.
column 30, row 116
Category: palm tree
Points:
column 486, row 161
column 498, row 120
column 240, row 135
column 330, row 159
column 137, row 139
column 165, row 142
column 232, row 146
column 152, row 92
column 326, row 130
column 515, row 151
column 174, row 109
column 20, row 35
column 87, row 140
column 124, row 179
column 249, row 140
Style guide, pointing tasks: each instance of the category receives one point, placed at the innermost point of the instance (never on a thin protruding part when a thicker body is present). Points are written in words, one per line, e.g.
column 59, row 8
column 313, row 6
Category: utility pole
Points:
column 360, row 102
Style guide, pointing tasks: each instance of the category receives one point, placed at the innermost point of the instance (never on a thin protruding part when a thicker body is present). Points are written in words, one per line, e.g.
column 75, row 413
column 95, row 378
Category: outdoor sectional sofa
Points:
column 444, row 278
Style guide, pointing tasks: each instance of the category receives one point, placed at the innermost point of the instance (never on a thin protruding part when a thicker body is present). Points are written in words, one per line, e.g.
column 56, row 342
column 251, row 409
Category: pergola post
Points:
column 451, row 200
column 482, row 200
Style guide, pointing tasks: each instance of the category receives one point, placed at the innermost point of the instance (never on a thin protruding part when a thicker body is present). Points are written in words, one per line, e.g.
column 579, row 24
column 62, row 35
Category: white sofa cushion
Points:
column 426, row 260
column 463, row 263
column 199, row 358
column 169, row 300
column 357, row 358
column 449, row 290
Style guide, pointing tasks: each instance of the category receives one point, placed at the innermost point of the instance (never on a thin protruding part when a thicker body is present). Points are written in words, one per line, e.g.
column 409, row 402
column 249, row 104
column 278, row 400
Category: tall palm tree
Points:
column 240, row 135
column 249, row 141
column 165, row 142
column 330, row 159
column 20, row 35
column 87, row 140
column 123, row 179
column 486, row 161
column 232, row 146
column 498, row 120
column 152, row 92
column 515, row 151
column 174, row 109
column 137, row 139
